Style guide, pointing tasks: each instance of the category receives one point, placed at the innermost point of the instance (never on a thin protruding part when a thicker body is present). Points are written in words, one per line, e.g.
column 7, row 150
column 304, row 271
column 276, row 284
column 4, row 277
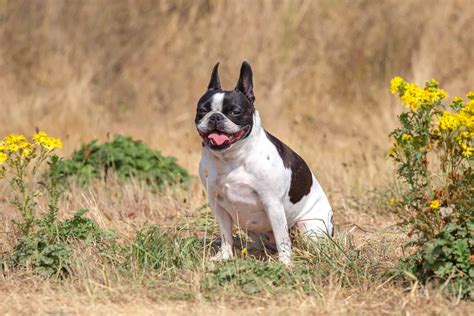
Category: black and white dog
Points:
column 252, row 178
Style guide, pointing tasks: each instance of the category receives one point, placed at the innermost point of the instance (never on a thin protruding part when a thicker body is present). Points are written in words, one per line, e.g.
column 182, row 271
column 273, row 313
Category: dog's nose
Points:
column 215, row 118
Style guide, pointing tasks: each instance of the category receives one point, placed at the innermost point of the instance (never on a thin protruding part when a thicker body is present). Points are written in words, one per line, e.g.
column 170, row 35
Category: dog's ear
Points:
column 245, row 84
column 215, row 83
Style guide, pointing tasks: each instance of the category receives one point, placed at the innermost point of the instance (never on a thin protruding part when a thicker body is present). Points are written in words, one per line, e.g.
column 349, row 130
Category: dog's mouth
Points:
column 221, row 140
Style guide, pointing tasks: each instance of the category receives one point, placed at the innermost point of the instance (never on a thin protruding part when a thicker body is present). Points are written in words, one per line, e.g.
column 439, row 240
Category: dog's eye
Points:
column 202, row 111
column 235, row 112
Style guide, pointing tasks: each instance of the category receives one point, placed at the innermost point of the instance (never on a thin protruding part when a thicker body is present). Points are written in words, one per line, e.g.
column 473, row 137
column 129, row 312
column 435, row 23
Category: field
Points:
column 92, row 69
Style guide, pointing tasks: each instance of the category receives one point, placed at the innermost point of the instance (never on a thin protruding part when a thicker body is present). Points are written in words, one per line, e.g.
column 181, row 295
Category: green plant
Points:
column 163, row 249
column 47, row 250
column 251, row 276
column 127, row 158
column 19, row 164
column 433, row 150
column 447, row 258
column 44, row 242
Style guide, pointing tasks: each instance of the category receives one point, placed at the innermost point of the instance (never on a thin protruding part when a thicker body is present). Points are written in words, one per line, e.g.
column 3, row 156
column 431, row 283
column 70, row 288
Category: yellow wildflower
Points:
column 432, row 95
column 13, row 142
column 432, row 83
column 470, row 95
column 466, row 116
column 396, row 83
column 49, row 143
column 3, row 157
column 469, row 108
column 244, row 251
column 412, row 96
column 434, row 204
column 392, row 201
column 392, row 151
column 448, row 121
column 406, row 137
column 26, row 152
column 466, row 150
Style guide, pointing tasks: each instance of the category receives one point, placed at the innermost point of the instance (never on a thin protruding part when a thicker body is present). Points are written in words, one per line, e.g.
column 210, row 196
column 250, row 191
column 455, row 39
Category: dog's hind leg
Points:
column 315, row 227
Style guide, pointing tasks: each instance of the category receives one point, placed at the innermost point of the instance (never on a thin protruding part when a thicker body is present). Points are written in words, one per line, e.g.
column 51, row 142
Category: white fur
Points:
column 248, row 184
column 217, row 101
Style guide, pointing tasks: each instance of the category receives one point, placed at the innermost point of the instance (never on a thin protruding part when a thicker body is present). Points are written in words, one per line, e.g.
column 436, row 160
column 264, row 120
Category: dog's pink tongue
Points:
column 218, row 139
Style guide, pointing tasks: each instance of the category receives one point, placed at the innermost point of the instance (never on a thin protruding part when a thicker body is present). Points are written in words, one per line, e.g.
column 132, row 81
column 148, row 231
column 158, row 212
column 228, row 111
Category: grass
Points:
column 90, row 70
column 166, row 268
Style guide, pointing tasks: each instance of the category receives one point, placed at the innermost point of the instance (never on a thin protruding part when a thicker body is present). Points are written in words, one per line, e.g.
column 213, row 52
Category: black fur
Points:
column 301, row 178
column 236, row 107
column 215, row 82
column 245, row 83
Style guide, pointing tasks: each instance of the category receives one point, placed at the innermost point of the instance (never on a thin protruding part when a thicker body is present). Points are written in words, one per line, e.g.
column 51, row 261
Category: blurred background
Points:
column 83, row 70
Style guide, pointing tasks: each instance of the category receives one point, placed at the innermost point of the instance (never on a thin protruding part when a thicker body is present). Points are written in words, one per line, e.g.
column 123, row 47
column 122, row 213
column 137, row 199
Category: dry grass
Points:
column 84, row 70
column 98, row 287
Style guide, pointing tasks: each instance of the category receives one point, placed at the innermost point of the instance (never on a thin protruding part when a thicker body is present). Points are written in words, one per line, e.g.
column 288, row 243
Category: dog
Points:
column 252, row 179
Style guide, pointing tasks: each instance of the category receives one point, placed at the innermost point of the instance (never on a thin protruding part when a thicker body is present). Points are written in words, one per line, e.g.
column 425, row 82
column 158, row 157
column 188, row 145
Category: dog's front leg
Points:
column 276, row 215
column 225, row 226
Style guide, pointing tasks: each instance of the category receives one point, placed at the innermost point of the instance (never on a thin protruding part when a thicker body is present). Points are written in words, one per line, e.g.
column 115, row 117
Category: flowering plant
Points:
column 433, row 149
column 20, row 160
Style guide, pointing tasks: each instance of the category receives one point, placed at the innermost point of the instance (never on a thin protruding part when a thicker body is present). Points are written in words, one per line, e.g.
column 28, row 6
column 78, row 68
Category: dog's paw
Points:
column 221, row 256
column 286, row 260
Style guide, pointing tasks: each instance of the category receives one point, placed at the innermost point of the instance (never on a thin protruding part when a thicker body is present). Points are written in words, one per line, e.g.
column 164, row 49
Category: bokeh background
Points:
column 84, row 70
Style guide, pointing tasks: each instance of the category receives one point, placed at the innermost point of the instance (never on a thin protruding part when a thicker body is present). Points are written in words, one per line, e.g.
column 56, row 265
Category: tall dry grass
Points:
column 90, row 69
column 87, row 69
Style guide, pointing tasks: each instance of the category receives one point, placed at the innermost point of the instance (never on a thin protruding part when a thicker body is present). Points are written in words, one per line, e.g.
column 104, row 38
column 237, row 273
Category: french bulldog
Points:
column 253, row 179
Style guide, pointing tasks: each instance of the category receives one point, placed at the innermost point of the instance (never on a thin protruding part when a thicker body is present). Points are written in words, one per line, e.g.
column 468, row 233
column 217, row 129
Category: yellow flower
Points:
column 38, row 137
column 49, row 143
column 466, row 116
column 434, row 204
column 26, row 152
column 396, row 83
column 3, row 157
column 392, row 151
column 406, row 137
column 244, row 251
column 13, row 142
column 469, row 108
column 411, row 98
column 466, row 150
column 470, row 95
column 414, row 97
column 432, row 83
column 448, row 121
column 392, row 201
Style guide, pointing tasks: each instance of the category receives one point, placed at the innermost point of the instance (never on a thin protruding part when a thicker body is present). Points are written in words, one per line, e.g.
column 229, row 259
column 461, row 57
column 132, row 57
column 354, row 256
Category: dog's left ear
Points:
column 245, row 84
column 214, row 83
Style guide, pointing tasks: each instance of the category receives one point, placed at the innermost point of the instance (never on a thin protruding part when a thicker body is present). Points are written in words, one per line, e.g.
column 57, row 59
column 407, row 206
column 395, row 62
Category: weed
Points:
column 433, row 149
column 154, row 248
column 19, row 164
column 127, row 158
column 447, row 259
column 47, row 250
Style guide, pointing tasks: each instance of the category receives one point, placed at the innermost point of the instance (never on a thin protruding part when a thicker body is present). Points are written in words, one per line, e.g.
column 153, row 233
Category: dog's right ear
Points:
column 215, row 83
column 245, row 83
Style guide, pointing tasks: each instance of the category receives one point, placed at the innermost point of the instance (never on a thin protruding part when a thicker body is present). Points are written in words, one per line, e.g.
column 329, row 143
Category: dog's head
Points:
column 224, row 118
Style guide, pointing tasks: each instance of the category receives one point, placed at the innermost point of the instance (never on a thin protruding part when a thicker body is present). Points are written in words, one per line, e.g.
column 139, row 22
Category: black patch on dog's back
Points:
column 301, row 179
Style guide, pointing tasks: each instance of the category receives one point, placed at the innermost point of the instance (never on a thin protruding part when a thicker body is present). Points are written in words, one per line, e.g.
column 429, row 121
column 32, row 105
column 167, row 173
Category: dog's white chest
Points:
column 236, row 192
